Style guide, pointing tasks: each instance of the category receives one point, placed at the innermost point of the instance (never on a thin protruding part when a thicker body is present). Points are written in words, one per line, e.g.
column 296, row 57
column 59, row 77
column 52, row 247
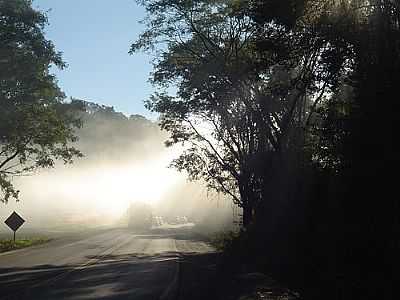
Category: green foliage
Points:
column 8, row 245
column 36, row 124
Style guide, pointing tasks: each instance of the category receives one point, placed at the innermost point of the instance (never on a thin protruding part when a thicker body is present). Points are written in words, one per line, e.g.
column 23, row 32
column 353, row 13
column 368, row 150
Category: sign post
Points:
column 14, row 221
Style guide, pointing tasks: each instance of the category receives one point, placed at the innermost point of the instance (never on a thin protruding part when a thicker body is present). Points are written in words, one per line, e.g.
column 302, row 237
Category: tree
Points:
column 36, row 124
column 239, row 110
column 353, row 140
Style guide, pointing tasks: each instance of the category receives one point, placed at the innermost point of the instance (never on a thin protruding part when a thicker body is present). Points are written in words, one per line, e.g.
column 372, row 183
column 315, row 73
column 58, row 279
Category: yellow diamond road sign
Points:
column 14, row 221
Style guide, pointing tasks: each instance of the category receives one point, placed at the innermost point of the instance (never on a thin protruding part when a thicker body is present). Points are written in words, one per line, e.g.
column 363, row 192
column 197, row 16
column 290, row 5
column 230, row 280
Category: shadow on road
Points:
column 109, row 277
column 128, row 276
column 198, row 277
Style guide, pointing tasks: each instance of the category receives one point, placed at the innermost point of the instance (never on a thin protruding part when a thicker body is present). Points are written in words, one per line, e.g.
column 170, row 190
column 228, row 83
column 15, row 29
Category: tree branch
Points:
column 10, row 158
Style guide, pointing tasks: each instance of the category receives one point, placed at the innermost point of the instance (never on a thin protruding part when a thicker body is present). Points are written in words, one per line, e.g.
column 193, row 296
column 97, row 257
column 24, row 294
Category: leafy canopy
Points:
column 36, row 124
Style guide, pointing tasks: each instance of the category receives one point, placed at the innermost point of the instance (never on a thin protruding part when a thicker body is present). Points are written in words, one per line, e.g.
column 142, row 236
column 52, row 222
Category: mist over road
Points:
column 112, row 264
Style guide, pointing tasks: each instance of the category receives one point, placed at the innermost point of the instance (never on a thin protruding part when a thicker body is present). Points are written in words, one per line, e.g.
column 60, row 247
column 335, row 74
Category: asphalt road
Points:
column 112, row 264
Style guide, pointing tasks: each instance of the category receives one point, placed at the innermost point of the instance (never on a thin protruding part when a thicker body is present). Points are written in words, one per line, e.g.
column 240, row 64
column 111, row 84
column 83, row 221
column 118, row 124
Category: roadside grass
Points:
column 222, row 240
column 8, row 245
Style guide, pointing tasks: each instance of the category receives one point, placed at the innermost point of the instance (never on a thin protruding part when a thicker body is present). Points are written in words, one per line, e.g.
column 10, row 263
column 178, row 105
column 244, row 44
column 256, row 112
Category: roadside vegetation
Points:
column 8, row 245
column 290, row 108
column 221, row 241
column 36, row 123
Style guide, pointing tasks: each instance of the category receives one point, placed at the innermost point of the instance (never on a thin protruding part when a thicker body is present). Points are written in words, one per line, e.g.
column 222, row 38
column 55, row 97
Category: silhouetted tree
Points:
column 289, row 106
column 237, row 108
column 352, row 145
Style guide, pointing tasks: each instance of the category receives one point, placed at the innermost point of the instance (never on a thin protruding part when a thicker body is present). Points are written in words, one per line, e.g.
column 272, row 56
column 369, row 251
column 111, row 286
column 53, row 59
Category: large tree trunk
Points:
column 247, row 215
column 247, row 203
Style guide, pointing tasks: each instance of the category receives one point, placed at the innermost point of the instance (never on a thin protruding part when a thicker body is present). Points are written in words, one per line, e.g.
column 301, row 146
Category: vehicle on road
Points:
column 140, row 216
column 158, row 221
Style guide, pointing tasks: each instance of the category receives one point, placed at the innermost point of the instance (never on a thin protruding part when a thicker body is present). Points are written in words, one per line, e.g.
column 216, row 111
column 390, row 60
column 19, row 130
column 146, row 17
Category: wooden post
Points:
column 14, row 237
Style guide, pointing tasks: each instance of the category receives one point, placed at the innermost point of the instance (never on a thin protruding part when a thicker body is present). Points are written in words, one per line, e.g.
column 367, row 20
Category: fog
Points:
column 125, row 161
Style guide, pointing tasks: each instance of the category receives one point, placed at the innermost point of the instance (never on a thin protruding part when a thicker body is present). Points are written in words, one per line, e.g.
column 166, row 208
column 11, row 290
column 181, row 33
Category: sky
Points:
column 94, row 37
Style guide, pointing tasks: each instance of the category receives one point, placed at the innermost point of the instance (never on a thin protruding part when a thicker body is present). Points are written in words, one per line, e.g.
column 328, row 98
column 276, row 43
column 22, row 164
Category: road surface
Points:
column 113, row 264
